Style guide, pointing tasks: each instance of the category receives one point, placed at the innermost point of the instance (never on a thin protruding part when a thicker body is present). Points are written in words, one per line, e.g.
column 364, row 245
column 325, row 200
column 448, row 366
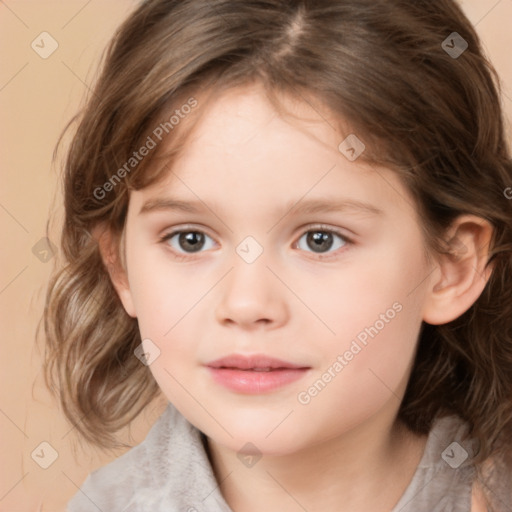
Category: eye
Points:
column 321, row 240
column 187, row 241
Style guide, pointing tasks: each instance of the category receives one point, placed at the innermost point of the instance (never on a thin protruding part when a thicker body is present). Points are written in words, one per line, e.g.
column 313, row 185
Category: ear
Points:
column 110, row 247
column 460, row 276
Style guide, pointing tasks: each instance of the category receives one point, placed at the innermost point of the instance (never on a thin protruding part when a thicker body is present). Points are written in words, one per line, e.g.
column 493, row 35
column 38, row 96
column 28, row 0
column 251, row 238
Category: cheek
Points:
column 374, row 315
column 359, row 378
column 380, row 354
column 163, row 293
column 168, row 301
column 374, row 290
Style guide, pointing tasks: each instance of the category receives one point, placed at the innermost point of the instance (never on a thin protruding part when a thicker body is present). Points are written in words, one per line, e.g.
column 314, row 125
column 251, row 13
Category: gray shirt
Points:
column 170, row 472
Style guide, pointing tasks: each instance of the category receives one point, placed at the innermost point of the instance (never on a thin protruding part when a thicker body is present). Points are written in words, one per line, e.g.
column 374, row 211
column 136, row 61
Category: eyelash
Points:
column 319, row 228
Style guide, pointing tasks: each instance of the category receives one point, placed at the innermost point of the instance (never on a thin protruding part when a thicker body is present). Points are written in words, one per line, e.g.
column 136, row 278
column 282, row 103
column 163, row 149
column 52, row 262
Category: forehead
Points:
column 245, row 113
column 245, row 151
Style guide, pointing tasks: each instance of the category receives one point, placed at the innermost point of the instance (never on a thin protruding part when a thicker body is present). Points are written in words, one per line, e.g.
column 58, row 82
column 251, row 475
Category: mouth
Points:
column 255, row 374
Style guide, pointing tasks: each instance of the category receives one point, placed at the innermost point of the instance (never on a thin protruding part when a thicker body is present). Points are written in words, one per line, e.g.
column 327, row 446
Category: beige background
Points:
column 37, row 98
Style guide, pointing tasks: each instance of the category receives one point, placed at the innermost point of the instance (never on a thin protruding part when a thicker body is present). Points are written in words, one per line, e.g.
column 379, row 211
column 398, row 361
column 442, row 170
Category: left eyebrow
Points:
column 292, row 207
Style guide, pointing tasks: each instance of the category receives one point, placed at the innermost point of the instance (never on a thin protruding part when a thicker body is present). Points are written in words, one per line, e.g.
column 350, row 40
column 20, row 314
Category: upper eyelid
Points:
column 307, row 227
column 185, row 229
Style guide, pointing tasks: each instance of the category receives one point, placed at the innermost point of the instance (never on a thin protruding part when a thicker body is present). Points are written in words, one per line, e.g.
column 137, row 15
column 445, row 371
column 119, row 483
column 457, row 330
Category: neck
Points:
column 366, row 468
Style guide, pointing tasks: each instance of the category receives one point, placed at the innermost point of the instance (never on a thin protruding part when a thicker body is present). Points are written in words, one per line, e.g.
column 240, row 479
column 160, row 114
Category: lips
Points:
column 254, row 374
column 254, row 363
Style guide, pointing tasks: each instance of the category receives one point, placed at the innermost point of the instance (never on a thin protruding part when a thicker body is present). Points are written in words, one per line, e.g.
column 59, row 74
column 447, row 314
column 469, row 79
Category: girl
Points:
column 292, row 218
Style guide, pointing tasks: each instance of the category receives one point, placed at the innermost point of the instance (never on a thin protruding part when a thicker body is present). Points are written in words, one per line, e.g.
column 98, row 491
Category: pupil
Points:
column 321, row 241
column 192, row 239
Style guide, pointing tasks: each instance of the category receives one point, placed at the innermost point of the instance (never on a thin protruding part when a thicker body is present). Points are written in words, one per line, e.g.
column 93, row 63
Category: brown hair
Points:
column 380, row 66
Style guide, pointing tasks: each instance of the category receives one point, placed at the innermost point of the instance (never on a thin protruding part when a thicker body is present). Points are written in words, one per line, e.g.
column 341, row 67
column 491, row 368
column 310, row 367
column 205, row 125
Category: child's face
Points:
column 243, row 169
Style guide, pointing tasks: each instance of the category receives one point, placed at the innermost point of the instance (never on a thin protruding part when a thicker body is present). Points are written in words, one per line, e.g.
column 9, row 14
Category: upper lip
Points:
column 249, row 362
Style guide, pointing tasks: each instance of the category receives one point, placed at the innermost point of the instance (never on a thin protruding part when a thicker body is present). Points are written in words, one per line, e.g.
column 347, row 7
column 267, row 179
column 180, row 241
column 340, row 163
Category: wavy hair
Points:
column 380, row 66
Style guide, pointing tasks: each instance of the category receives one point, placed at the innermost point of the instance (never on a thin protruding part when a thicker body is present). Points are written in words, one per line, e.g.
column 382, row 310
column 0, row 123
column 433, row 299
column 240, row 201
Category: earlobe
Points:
column 110, row 247
column 461, row 275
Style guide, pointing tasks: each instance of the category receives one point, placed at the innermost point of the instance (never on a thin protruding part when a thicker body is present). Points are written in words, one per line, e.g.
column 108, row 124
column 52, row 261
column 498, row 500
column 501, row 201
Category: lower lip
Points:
column 252, row 382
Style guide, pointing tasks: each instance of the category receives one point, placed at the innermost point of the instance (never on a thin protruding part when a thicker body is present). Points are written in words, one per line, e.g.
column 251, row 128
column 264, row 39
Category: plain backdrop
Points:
column 38, row 96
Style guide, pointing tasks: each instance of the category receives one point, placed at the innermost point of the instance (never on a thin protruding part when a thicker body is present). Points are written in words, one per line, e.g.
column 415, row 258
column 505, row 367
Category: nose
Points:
column 252, row 297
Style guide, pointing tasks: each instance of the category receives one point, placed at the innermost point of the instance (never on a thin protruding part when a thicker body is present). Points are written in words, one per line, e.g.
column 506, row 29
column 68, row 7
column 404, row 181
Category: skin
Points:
column 245, row 163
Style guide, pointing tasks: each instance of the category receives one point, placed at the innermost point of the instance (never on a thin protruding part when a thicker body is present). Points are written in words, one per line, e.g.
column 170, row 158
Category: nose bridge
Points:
column 251, row 292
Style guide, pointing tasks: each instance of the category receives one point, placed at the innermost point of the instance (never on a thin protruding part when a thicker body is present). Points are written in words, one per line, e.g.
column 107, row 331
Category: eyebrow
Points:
column 308, row 206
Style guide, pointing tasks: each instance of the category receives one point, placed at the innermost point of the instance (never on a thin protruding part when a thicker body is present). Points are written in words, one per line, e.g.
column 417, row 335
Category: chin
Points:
column 255, row 439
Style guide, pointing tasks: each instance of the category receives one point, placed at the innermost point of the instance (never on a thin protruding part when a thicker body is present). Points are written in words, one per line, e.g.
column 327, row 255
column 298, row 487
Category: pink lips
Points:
column 254, row 374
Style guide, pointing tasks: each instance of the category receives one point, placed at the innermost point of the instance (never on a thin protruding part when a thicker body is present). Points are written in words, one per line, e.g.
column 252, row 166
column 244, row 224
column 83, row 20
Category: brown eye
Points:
column 184, row 242
column 319, row 241
column 191, row 241
column 322, row 241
